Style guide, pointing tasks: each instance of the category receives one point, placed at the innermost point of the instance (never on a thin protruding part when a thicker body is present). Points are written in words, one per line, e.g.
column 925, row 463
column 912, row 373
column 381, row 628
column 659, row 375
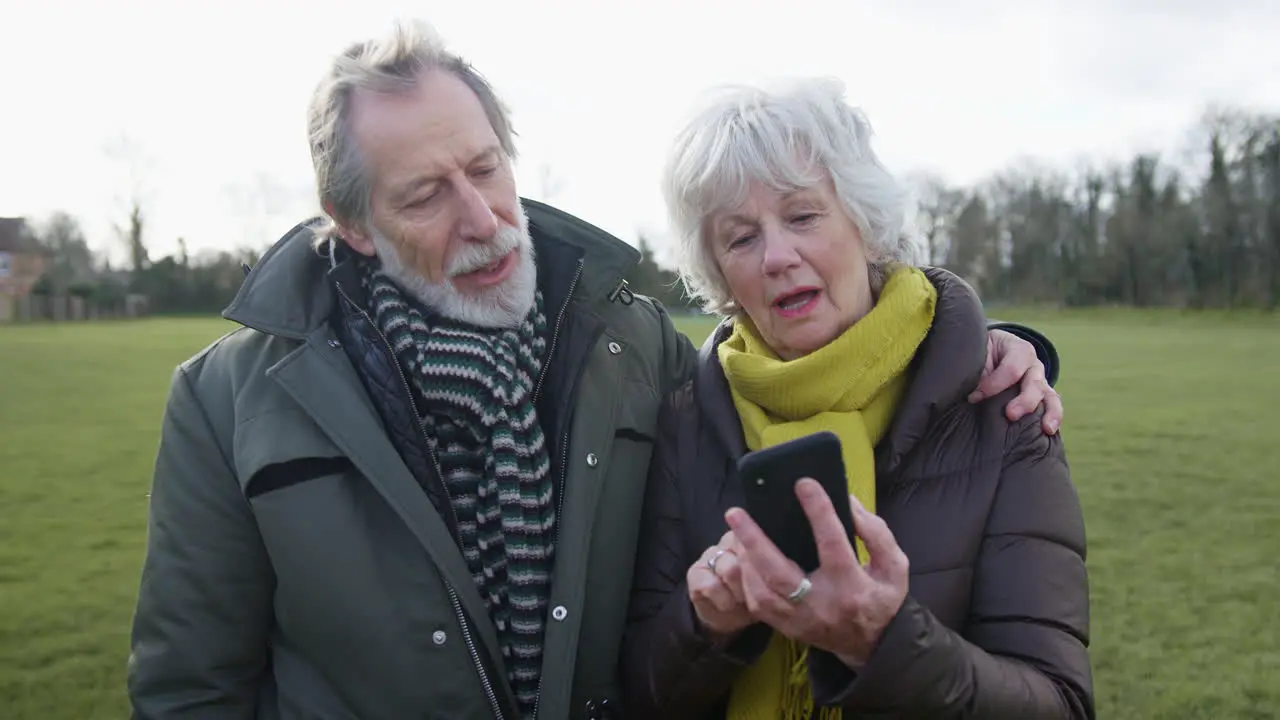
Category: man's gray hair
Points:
column 389, row 64
column 785, row 137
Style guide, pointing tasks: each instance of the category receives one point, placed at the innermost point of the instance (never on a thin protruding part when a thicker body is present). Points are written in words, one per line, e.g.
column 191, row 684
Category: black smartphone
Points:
column 768, row 478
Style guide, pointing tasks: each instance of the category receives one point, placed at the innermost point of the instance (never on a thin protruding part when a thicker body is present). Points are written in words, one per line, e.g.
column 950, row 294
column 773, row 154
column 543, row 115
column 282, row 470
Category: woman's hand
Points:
column 715, row 588
column 847, row 606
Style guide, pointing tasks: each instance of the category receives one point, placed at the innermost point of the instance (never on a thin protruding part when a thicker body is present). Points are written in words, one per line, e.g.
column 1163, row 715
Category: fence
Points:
column 69, row 308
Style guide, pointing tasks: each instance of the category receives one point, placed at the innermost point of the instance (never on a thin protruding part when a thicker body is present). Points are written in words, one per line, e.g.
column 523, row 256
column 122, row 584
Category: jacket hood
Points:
column 945, row 370
column 290, row 293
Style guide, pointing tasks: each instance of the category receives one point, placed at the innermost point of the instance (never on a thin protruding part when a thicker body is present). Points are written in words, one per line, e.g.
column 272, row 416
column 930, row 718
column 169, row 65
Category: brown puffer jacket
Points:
column 996, row 620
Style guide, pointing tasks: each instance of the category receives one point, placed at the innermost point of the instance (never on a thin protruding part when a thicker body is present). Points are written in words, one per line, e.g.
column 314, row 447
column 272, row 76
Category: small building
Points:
column 22, row 263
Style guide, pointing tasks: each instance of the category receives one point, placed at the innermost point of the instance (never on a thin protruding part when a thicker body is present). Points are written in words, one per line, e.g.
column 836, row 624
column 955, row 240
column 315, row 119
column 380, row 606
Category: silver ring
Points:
column 798, row 594
column 711, row 561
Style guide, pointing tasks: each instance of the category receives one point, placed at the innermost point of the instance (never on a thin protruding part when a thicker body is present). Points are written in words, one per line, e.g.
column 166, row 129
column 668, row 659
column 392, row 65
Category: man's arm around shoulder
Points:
column 1046, row 351
column 199, row 639
column 679, row 357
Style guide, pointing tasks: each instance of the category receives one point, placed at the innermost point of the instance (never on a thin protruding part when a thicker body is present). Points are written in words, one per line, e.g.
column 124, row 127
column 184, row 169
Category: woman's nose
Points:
column 779, row 252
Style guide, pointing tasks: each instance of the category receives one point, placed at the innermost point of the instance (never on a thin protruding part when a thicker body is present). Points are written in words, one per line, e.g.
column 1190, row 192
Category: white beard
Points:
column 501, row 306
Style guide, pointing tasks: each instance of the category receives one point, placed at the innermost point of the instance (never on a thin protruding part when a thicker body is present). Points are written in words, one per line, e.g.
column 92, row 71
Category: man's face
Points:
column 445, row 217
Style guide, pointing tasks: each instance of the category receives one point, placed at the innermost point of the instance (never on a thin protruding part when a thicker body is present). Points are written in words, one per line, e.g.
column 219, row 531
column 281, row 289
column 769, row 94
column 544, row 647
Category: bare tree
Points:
column 937, row 207
column 972, row 254
column 136, row 166
column 1270, row 161
column 73, row 261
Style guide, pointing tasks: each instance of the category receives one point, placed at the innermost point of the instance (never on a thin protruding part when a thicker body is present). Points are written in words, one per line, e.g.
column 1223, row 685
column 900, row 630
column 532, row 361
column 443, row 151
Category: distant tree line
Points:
column 173, row 284
column 1200, row 233
column 178, row 283
column 658, row 282
column 182, row 284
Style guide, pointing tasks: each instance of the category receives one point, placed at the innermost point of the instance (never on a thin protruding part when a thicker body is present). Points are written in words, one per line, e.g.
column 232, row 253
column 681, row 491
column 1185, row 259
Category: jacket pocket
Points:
column 287, row 473
column 626, row 433
column 282, row 449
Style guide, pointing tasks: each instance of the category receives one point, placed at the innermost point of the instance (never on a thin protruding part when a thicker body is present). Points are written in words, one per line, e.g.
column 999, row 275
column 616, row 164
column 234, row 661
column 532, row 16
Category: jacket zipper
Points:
column 555, row 333
column 453, row 595
column 564, row 439
column 537, row 391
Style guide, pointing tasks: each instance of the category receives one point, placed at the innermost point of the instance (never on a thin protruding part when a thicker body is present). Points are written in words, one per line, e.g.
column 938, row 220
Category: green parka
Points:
column 296, row 568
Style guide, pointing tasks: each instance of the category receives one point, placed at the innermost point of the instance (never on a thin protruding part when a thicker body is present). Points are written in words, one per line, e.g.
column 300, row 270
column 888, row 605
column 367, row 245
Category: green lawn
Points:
column 1169, row 428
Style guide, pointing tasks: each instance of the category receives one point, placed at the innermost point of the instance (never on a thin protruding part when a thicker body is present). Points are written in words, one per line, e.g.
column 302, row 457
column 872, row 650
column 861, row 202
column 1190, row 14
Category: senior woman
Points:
column 965, row 593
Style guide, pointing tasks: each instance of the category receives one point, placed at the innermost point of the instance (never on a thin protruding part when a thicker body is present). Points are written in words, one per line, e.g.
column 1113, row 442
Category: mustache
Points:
column 475, row 256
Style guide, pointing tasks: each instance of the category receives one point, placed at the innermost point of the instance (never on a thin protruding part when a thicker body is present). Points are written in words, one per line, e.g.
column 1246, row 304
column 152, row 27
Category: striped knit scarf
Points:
column 477, row 390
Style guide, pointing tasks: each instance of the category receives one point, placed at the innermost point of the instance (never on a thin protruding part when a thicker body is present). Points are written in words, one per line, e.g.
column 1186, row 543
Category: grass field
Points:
column 1170, row 431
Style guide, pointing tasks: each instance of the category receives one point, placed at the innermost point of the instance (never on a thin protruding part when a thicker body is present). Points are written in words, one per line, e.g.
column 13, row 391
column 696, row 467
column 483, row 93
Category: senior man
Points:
column 410, row 485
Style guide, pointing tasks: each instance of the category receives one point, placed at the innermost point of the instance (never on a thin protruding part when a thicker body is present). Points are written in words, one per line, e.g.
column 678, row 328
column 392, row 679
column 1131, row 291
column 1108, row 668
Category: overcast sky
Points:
column 212, row 95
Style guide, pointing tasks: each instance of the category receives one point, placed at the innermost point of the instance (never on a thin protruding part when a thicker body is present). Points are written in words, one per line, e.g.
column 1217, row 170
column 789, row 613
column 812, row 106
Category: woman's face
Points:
column 795, row 263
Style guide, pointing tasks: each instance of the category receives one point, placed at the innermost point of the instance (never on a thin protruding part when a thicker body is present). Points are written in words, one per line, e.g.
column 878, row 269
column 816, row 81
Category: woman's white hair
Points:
column 389, row 64
column 785, row 137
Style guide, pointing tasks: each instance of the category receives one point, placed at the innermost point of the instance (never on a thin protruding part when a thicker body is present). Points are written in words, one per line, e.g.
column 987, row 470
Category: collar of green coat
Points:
column 290, row 292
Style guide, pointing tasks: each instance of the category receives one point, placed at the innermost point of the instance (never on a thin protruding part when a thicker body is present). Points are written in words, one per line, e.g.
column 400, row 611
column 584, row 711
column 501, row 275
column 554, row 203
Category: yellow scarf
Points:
column 851, row 387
